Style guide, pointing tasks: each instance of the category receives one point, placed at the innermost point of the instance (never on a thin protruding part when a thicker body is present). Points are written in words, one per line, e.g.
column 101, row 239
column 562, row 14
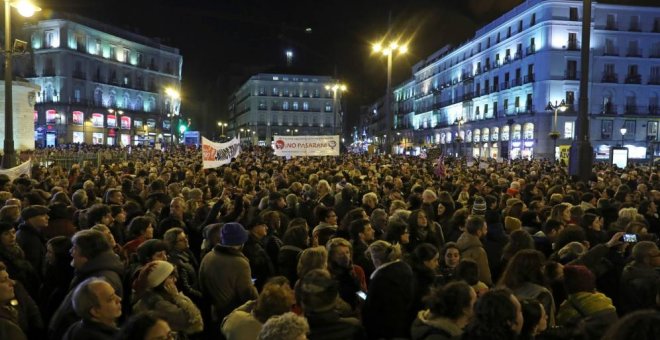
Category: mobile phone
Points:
column 254, row 280
column 362, row 295
column 630, row 238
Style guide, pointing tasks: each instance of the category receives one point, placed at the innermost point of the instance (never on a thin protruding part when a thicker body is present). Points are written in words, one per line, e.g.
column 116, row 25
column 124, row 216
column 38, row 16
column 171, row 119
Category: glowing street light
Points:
column 388, row 50
column 26, row 9
column 174, row 95
column 222, row 128
column 555, row 133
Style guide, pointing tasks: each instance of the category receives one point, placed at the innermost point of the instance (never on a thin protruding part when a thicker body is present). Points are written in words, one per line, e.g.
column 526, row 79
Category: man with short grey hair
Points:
column 640, row 279
column 92, row 257
column 95, row 301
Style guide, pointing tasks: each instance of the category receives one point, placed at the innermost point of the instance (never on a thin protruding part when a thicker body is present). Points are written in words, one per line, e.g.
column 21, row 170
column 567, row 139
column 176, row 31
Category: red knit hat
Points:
column 578, row 278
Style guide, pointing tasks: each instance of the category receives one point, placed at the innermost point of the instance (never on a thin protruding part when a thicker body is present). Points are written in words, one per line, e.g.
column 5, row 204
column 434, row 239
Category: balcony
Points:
column 641, row 110
column 608, row 109
column 632, row 109
column 518, row 55
column 634, row 28
column 79, row 75
column 504, row 85
column 654, row 81
column 633, row 79
column 634, row 52
column 529, row 78
column 573, row 45
column 611, row 26
column 516, row 82
column 654, row 53
column 610, row 78
column 571, row 75
column 531, row 50
column 611, row 52
column 48, row 72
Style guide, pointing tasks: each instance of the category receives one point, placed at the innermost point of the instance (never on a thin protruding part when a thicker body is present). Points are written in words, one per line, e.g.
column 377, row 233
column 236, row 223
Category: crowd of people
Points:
column 154, row 246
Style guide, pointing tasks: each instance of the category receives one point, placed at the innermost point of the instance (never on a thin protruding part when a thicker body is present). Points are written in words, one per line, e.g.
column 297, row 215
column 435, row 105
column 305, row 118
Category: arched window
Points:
column 98, row 97
column 528, row 131
column 485, row 135
column 477, row 136
column 126, row 101
column 516, row 132
column 505, row 133
column 495, row 135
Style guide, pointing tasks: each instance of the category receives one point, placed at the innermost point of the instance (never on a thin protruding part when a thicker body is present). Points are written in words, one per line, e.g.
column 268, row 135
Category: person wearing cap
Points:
column 30, row 236
column 261, row 264
column 225, row 276
column 640, row 279
column 14, row 258
column 156, row 291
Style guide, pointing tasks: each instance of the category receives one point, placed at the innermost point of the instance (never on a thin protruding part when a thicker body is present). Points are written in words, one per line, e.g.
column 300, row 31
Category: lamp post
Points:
column 554, row 134
column 26, row 9
column 336, row 87
column 222, row 128
column 291, row 131
column 623, row 131
column 388, row 51
column 174, row 95
column 581, row 160
column 459, row 121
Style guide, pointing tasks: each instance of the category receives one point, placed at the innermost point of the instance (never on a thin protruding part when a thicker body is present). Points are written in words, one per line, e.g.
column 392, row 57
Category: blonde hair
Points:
column 381, row 252
column 310, row 259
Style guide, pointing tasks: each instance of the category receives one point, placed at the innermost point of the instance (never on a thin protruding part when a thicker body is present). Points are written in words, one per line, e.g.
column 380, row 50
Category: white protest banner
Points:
column 217, row 154
column 295, row 146
column 17, row 171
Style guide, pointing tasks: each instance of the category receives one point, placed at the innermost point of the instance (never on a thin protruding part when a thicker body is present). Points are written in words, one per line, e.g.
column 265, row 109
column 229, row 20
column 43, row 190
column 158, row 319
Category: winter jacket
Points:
column 87, row 329
column 386, row 312
column 226, row 279
column 241, row 324
column 428, row 327
column 328, row 325
column 260, row 263
column 179, row 311
column 589, row 303
column 287, row 262
column 186, row 265
column 9, row 328
column 639, row 286
column 472, row 248
column 20, row 269
column 105, row 265
column 33, row 243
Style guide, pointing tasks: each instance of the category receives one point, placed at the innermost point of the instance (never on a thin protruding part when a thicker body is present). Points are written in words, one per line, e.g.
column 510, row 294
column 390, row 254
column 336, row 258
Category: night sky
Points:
column 223, row 42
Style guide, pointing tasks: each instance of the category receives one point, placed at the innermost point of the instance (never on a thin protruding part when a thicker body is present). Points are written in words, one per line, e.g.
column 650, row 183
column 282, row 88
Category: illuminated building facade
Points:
column 285, row 104
column 493, row 91
column 99, row 84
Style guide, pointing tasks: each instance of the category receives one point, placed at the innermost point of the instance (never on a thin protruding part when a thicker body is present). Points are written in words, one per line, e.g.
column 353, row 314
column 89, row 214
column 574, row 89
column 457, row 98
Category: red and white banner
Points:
column 297, row 146
column 217, row 154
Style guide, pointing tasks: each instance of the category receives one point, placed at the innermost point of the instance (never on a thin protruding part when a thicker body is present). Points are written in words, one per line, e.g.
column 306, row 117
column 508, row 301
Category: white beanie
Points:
column 157, row 272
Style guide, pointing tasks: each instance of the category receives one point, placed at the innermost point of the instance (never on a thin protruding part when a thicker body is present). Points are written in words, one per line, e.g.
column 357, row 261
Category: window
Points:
column 140, row 59
column 570, row 98
column 532, row 20
column 52, row 39
column 285, row 106
column 328, row 106
column 508, row 32
column 97, row 47
column 127, row 54
column 573, row 14
column 113, row 51
column 305, row 106
column 634, row 23
column 76, row 95
column 275, row 91
column 630, row 129
column 295, row 106
column 610, row 47
column 652, row 130
column 520, row 26
column 610, row 24
column 569, row 129
column 485, row 109
column 606, row 129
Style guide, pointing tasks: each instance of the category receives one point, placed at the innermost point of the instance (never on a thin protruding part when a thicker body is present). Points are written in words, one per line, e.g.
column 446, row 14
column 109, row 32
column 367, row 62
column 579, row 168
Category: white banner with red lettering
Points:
column 297, row 146
column 217, row 154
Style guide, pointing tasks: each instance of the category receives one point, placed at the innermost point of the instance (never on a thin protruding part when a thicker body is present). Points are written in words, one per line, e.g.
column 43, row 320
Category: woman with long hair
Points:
column 524, row 276
column 423, row 230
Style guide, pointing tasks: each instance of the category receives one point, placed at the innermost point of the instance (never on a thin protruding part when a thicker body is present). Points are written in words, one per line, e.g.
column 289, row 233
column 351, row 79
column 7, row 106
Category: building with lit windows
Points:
column 285, row 104
column 99, row 84
column 493, row 91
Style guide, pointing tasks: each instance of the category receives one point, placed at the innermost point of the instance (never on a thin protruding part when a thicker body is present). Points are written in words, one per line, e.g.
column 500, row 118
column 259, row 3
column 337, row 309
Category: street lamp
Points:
column 222, row 128
column 336, row 87
column 554, row 134
column 174, row 95
column 388, row 51
column 26, row 9
column 459, row 121
column 291, row 131
column 623, row 131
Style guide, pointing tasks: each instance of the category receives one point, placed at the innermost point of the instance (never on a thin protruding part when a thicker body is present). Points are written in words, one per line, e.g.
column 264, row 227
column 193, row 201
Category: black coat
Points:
column 107, row 266
column 287, row 262
column 83, row 330
column 20, row 269
column 386, row 312
column 260, row 263
column 329, row 326
column 33, row 243
column 639, row 286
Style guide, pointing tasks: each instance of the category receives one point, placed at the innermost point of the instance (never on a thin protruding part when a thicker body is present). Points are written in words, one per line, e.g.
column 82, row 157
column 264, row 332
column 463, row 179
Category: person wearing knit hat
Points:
column 156, row 292
column 30, row 235
column 152, row 250
column 233, row 234
column 235, row 286
column 583, row 300
column 511, row 223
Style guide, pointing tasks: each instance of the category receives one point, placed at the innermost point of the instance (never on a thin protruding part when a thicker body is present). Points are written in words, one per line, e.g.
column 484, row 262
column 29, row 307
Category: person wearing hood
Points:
column 156, row 292
column 450, row 310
